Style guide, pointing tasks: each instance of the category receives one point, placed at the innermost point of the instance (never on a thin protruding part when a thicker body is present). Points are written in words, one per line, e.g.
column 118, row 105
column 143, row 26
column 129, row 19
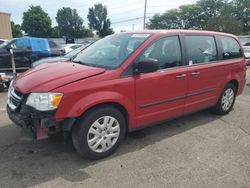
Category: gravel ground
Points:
column 199, row 150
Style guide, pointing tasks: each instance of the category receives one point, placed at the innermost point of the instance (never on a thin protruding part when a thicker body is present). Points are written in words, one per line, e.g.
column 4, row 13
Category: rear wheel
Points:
column 99, row 132
column 226, row 100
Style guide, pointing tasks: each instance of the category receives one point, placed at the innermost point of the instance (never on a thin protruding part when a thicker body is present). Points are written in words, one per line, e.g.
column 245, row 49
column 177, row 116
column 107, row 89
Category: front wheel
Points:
column 226, row 100
column 99, row 132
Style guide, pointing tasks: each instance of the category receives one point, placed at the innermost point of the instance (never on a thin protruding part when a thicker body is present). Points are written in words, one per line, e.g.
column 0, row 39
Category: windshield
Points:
column 111, row 51
column 73, row 53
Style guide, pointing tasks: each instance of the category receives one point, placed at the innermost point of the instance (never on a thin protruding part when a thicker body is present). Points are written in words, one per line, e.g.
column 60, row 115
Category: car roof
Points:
column 183, row 31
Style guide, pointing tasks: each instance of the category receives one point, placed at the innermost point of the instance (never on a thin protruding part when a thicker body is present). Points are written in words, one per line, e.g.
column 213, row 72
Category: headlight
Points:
column 44, row 101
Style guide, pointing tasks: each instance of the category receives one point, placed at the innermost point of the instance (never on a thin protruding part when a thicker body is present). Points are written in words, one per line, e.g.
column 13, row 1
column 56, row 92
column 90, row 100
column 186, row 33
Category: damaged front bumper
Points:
column 42, row 124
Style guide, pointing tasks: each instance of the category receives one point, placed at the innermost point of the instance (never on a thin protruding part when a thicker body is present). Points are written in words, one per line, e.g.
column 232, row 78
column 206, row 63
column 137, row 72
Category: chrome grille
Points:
column 14, row 98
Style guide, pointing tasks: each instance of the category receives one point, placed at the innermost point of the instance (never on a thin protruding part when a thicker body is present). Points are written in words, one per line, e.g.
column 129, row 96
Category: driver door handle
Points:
column 180, row 76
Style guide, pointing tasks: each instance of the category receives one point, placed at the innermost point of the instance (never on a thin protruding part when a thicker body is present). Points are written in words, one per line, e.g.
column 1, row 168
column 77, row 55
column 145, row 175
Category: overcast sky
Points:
column 124, row 14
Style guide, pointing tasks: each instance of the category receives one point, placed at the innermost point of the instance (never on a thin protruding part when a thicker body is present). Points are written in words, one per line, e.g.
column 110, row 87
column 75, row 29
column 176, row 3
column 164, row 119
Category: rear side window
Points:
column 230, row 48
column 52, row 44
column 201, row 49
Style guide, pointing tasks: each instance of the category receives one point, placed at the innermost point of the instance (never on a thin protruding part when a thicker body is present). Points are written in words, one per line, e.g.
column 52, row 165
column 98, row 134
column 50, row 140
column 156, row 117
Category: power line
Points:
column 125, row 5
column 129, row 11
column 117, row 3
column 129, row 20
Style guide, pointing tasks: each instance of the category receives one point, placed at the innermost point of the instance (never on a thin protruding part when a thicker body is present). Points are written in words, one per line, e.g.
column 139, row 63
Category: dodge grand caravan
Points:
column 128, row 81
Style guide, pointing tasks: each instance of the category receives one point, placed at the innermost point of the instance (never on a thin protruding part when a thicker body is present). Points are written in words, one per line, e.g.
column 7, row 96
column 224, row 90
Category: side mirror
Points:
column 146, row 66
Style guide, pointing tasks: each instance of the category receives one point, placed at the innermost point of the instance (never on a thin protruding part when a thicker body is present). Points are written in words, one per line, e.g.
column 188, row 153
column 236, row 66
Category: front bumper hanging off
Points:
column 41, row 124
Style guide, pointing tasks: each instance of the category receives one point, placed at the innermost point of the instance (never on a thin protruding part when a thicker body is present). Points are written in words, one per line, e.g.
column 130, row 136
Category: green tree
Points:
column 36, row 22
column 71, row 24
column 16, row 30
column 87, row 33
column 219, row 15
column 241, row 10
column 98, row 20
column 188, row 16
column 55, row 32
column 207, row 9
column 168, row 20
column 226, row 24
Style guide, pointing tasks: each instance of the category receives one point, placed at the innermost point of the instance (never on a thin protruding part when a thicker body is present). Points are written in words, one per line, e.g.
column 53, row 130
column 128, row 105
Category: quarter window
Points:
column 201, row 49
column 166, row 50
column 230, row 48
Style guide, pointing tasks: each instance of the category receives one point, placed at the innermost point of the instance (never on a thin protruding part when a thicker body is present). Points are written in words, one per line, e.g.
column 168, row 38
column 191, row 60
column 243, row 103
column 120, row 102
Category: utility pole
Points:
column 145, row 12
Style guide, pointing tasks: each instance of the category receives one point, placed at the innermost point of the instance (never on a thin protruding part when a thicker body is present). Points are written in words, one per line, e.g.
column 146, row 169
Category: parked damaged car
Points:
column 128, row 81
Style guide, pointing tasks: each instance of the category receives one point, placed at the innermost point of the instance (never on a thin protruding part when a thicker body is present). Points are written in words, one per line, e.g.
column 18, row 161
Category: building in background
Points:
column 5, row 26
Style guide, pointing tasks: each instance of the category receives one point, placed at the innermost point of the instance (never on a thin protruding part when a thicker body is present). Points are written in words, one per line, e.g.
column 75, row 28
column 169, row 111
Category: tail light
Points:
column 63, row 51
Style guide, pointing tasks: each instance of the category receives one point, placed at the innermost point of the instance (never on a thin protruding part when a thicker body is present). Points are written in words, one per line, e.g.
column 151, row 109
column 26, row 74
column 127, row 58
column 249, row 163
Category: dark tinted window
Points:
column 247, row 44
column 52, row 44
column 230, row 48
column 201, row 49
column 166, row 50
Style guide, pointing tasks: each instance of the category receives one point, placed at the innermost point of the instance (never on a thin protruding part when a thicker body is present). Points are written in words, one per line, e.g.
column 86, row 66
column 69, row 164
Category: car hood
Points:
column 49, row 60
column 49, row 76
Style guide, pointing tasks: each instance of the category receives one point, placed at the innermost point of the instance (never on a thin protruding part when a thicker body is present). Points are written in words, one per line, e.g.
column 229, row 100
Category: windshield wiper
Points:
column 80, row 62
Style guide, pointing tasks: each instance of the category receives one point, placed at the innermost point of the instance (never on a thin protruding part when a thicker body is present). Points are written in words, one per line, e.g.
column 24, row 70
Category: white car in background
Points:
column 69, row 47
column 2, row 41
column 247, row 53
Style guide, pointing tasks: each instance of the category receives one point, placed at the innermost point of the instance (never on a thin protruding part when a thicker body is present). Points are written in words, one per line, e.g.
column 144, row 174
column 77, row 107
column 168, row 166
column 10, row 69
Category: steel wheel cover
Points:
column 103, row 134
column 227, row 99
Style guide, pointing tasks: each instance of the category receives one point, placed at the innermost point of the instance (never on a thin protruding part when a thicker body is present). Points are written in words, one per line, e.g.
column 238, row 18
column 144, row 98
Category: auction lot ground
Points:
column 199, row 150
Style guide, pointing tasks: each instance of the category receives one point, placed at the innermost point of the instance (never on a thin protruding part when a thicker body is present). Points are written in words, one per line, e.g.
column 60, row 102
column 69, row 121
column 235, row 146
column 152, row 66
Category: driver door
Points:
column 161, row 95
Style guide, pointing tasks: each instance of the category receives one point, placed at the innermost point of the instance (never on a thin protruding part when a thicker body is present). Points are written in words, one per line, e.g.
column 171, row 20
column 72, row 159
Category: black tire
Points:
column 1, row 87
column 80, row 131
column 218, row 109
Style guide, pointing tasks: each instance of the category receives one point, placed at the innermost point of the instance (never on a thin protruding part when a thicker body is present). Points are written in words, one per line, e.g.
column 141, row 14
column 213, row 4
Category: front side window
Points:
column 111, row 51
column 200, row 49
column 166, row 51
column 230, row 48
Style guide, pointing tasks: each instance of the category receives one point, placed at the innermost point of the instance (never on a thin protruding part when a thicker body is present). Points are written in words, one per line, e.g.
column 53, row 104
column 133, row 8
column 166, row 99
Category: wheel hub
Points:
column 227, row 99
column 103, row 134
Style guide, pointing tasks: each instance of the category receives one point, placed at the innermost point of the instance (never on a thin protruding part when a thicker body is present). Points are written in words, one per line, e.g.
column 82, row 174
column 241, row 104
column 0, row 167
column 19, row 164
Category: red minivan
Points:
column 128, row 81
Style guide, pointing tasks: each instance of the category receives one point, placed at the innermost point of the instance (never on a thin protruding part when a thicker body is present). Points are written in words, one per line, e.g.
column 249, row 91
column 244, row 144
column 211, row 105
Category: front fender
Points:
column 75, row 108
